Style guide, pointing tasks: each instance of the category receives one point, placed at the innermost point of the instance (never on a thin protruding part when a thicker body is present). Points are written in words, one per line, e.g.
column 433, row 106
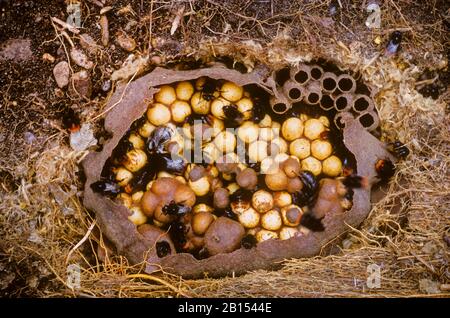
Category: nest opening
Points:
column 316, row 73
column 301, row 77
column 282, row 76
column 280, row 107
column 329, row 84
column 313, row 98
column 295, row 93
column 366, row 120
column 345, row 84
column 327, row 102
column 361, row 104
column 341, row 103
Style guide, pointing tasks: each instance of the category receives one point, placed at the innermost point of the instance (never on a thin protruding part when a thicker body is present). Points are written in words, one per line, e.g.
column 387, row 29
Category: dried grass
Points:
column 43, row 219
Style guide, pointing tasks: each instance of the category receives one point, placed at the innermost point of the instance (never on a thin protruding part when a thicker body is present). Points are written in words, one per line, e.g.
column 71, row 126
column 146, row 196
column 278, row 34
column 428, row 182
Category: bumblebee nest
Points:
column 191, row 184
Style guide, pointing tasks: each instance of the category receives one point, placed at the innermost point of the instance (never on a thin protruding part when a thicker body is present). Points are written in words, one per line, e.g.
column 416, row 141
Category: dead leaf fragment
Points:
column 88, row 43
column 83, row 138
column 428, row 286
column 177, row 20
column 104, row 25
column 132, row 65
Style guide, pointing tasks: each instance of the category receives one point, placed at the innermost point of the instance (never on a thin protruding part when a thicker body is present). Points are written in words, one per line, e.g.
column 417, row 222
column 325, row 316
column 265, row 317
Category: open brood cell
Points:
column 218, row 165
column 327, row 87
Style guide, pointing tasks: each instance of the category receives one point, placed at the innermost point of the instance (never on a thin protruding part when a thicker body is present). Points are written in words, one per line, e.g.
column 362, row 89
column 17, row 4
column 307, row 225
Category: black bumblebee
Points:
column 171, row 163
column 175, row 209
column 177, row 232
column 157, row 140
column 106, row 187
column 227, row 212
column 309, row 221
column 394, row 43
column 209, row 88
column 249, row 241
column 122, row 149
column 259, row 110
column 354, row 181
column 241, row 195
column 71, row 121
column 349, row 165
column 137, row 124
column 398, row 149
column 142, row 178
column 385, row 169
column 261, row 104
column 196, row 118
column 309, row 192
column 233, row 117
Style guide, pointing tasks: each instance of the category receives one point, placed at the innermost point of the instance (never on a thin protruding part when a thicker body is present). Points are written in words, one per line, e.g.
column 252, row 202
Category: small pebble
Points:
column 88, row 43
column 29, row 137
column 156, row 60
column 61, row 72
column 48, row 57
column 81, row 59
column 16, row 50
column 125, row 41
column 106, row 86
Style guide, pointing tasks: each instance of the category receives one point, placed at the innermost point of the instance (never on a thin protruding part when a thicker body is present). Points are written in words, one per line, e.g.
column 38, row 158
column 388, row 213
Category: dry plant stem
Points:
column 158, row 280
column 427, row 81
column 118, row 102
column 64, row 33
column 104, row 25
column 65, row 51
column 429, row 266
column 65, row 25
column 97, row 3
column 150, row 27
column 85, row 237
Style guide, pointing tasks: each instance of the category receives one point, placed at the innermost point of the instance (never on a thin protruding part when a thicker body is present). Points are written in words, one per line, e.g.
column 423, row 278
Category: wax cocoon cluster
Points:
column 256, row 190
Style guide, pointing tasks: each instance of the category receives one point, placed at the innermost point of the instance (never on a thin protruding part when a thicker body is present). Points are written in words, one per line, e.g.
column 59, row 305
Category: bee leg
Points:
column 355, row 181
column 311, row 222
